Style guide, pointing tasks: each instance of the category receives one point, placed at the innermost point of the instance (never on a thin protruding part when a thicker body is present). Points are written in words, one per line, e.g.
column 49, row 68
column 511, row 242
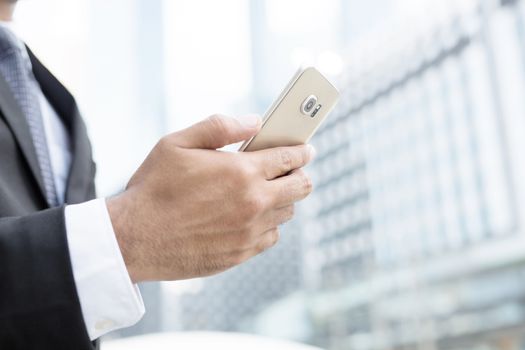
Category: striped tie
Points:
column 16, row 70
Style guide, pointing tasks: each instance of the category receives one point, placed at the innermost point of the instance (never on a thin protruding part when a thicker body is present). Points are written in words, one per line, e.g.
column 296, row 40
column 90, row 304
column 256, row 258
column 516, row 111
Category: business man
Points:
column 69, row 264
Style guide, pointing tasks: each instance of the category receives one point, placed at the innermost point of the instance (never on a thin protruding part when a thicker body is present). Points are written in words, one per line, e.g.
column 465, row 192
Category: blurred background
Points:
column 414, row 237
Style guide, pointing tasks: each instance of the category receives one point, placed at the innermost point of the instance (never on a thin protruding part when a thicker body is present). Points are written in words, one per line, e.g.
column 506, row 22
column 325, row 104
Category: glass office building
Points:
column 414, row 233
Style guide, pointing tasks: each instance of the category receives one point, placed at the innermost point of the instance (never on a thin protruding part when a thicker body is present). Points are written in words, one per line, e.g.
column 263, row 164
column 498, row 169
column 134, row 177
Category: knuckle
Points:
column 245, row 240
column 290, row 212
column 276, row 235
column 246, row 172
column 167, row 147
column 305, row 156
column 165, row 143
column 216, row 119
column 273, row 238
column 306, row 182
column 218, row 123
column 253, row 204
column 286, row 158
column 242, row 172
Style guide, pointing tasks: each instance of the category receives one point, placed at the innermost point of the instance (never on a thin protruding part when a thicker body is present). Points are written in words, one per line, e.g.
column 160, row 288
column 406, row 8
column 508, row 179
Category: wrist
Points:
column 119, row 213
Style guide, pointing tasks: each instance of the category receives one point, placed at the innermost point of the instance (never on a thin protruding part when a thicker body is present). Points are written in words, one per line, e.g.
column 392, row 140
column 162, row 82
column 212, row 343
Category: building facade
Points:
column 415, row 238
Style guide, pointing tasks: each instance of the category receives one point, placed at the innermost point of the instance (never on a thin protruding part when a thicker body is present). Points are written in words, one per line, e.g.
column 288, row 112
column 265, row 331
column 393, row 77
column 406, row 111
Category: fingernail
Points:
column 312, row 151
column 249, row 121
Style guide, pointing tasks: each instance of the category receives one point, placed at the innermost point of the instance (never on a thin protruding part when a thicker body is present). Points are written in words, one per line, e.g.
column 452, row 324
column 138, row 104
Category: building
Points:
column 414, row 235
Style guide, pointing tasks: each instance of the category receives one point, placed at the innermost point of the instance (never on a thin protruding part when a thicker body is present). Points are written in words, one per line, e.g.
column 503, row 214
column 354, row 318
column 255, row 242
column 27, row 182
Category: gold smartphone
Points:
column 298, row 112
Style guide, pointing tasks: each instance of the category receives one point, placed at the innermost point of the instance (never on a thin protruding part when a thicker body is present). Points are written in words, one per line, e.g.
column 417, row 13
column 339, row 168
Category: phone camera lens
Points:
column 308, row 104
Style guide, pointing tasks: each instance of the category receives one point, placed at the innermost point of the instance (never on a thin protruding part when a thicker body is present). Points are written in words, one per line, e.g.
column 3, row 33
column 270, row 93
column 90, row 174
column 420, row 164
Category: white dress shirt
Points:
column 108, row 298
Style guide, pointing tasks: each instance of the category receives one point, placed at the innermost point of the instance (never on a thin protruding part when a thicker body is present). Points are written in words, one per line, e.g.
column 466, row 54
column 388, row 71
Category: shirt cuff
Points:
column 108, row 298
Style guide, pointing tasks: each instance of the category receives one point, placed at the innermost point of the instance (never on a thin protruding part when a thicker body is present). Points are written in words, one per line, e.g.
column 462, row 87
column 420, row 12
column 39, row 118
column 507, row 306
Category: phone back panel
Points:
column 284, row 123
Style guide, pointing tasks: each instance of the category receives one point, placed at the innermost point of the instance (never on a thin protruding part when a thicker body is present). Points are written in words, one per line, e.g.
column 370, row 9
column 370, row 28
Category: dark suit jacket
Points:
column 39, row 305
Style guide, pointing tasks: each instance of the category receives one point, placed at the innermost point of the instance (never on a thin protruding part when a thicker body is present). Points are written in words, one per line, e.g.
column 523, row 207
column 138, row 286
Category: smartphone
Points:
column 298, row 112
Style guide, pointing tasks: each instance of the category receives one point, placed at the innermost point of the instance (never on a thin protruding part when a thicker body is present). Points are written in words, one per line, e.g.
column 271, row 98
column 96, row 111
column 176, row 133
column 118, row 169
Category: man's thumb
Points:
column 218, row 131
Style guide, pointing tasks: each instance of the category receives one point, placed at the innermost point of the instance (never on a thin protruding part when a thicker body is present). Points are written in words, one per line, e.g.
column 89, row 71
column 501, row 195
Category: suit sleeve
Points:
column 39, row 306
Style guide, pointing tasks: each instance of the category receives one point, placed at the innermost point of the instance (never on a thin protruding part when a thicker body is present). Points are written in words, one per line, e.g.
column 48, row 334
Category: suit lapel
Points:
column 15, row 118
column 81, row 171
column 81, row 175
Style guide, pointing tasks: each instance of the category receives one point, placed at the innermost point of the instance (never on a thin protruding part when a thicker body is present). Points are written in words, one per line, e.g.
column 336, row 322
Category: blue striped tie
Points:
column 16, row 70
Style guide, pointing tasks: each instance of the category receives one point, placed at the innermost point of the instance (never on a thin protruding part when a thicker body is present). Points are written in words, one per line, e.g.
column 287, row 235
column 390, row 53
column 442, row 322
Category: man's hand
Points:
column 192, row 211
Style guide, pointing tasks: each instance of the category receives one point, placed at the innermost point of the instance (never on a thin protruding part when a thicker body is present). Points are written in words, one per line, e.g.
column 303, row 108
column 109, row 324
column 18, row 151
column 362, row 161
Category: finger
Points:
column 291, row 188
column 276, row 217
column 218, row 131
column 275, row 162
column 268, row 240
